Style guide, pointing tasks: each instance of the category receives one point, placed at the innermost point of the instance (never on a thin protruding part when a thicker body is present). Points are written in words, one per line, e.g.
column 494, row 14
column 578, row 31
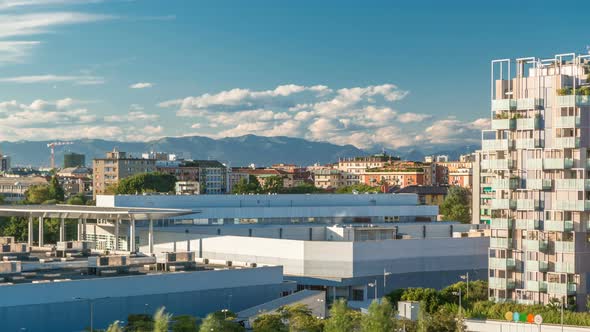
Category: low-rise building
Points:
column 13, row 188
column 210, row 174
column 358, row 165
column 427, row 195
column 76, row 180
column 333, row 179
column 116, row 166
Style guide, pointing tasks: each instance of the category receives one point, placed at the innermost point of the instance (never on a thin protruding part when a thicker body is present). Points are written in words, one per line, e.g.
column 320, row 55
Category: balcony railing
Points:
column 529, row 204
column 539, row 184
column 564, row 246
column 498, row 164
column 505, row 183
column 564, row 267
column 502, row 263
column 528, row 143
column 571, row 101
column 503, row 104
column 561, row 289
column 527, row 224
column 495, row 144
column 558, row 225
column 558, row 163
column 529, row 103
column 572, row 184
column 500, row 242
column 528, row 123
column 567, row 142
column 567, row 122
column 536, row 286
column 535, row 245
column 534, row 164
column 501, row 223
column 501, row 283
column 537, row 266
column 504, row 204
column 505, row 124
column 572, row 205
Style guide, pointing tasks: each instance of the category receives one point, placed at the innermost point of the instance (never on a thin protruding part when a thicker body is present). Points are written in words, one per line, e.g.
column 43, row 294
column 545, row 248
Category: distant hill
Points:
column 238, row 151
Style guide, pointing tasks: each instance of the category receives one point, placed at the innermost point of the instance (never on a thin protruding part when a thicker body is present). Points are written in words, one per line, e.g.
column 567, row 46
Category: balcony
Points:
column 534, row 164
column 572, row 205
column 503, row 124
column 539, row 184
column 503, row 104
column 528, row 143
column 511, row 183
column 571, row 101
column 529, row 204
column 497, row 164
column 536, row 286
column 527, row 224
column 558, row 163
column 501, row 223
column 564, row 267
column 561, row 289
column 503, row 204
column 529, row 123
column 558, row 225
column 529, row 103
column 535, row 245
column 502, row 263
column 567, row 142
column 567, row 122
column 501, row 242
column 572, row 184
column 501, row 283
column 537, row 266
column 564, row 246
column 495, row 144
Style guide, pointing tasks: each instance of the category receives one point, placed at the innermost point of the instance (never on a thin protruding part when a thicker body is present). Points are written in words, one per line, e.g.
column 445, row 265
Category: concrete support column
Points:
column 30, row 235
column 117, row 222
column 41, row 232
column 151, row 237
column 132, row 235
column 79, row 230
column 84, row 229
column 62, row 230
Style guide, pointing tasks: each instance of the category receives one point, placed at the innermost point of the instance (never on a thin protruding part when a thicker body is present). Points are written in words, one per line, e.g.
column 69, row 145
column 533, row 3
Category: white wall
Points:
column 498, row 326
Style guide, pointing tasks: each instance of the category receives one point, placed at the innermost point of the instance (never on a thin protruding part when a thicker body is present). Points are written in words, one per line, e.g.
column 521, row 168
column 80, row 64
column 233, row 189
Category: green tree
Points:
column 15, row 226
column 146, row 183
column 37, row 194
column 342, row 318
column 161, row 320
column 380, row 317
column 273, row 184
column 247, row 186
column 220, row 321
column 56, row 191
column 456, row 206
column 115, row 327
column 269, row 323
column 358, row 188
column 305, row 188
column 2, row 200
column 78, row 199
column 184, row 323
column 139, row 323
column 300, row 319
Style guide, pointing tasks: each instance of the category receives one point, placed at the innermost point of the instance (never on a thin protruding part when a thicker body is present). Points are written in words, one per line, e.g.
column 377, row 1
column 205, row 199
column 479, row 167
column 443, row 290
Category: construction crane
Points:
column 52, row 146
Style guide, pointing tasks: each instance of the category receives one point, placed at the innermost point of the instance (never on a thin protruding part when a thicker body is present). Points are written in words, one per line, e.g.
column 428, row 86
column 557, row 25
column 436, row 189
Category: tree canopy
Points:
column 457, row 205
column 380, row 317
column 342, row 318
column 360, row 188
column 146, row 183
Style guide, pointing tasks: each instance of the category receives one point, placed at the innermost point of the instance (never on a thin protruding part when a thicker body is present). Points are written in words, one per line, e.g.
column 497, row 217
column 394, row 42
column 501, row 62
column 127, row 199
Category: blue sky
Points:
column 369, row 73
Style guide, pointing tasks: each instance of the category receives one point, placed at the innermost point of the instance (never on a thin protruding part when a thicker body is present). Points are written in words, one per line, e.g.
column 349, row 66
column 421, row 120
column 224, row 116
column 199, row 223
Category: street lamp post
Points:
column 385, row 274
column 459, row 294
column 224, row 313
column 91, row 308
column 466, row 277
column 374, row 285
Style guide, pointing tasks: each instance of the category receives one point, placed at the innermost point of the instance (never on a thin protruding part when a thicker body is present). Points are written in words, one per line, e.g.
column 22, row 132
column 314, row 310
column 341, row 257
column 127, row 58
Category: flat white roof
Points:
column 90, row 212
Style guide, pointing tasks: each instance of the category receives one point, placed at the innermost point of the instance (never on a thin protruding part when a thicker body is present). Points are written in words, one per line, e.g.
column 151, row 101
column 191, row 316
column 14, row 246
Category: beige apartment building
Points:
column 116, row 166
column 333, row 179
column 532, row 180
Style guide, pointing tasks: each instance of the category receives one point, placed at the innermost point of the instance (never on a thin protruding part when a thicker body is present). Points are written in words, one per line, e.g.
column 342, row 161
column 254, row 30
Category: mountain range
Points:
column 237, row 151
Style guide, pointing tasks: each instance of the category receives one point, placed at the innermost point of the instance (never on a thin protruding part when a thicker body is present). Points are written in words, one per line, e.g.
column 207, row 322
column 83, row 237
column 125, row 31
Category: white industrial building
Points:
column 283, row 209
